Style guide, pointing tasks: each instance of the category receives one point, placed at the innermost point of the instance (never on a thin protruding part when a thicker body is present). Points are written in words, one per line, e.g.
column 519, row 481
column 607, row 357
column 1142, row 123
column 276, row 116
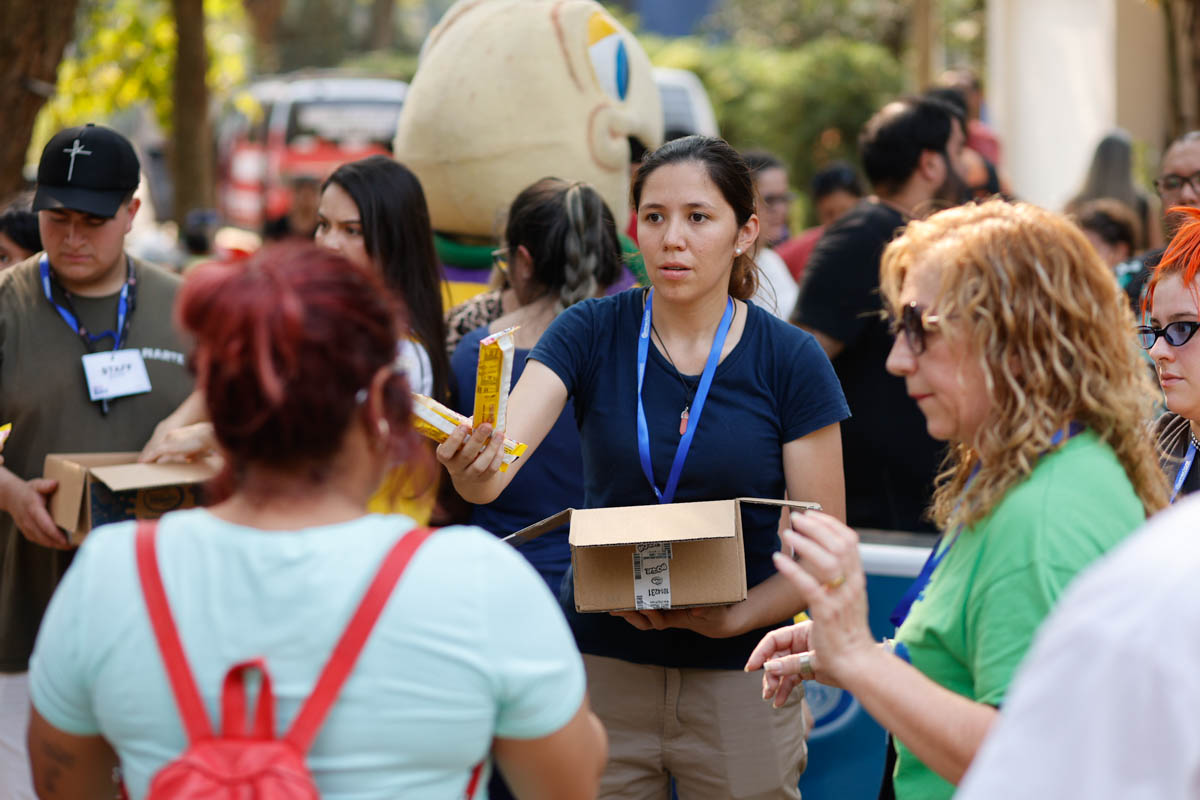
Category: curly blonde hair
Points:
column 1054, row 337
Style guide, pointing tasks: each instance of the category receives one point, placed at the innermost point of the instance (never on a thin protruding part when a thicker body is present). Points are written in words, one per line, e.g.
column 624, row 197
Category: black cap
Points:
column 89, row 168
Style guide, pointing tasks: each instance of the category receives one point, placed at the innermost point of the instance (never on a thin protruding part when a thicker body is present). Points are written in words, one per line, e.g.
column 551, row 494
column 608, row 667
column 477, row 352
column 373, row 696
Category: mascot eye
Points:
column 610, row 60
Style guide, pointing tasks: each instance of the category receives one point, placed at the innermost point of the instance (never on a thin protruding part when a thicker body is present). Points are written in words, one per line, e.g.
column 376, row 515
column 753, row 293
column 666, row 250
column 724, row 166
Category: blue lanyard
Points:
column 68, row 312
column 1184, row 469
column 706, row 378
column 900, row 612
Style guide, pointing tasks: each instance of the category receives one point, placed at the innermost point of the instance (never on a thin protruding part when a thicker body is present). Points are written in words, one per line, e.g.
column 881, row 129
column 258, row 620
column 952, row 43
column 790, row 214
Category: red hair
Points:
column 284, row 342
column 1182, row 254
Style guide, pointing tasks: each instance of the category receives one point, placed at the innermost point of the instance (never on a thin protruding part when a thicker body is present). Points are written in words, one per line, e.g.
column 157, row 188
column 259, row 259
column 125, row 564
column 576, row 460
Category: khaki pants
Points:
column 706, row 728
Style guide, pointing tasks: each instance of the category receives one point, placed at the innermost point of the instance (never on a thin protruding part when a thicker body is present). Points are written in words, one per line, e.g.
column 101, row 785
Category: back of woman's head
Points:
column 20, row 224
column 1111, row 171
column 1111, row 220
column 284, row 343
column 727, row 169
column 1182, row 256
column 1053, row 334
column 570, row 235
column 398, row 236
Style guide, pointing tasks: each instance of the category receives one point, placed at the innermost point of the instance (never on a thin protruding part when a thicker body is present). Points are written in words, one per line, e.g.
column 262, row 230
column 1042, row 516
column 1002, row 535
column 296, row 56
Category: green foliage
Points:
column 806, row 104
column 791, row 23
column 383, row 63
column 124, row 56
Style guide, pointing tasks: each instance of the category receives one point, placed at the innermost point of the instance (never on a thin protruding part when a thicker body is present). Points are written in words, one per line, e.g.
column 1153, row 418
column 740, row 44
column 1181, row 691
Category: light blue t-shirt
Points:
column 471, row 646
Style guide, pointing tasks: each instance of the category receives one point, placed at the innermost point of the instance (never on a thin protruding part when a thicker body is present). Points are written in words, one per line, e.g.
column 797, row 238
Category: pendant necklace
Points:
column 688, row 390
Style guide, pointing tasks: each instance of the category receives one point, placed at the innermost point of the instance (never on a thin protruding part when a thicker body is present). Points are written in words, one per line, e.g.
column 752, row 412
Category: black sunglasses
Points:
column 915, row 324
column 1177, row 334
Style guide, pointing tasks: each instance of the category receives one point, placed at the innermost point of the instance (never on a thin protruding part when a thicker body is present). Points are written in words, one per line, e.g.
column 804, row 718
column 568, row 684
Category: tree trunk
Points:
column 32, row 38
column 191, row 136
column 383, row 18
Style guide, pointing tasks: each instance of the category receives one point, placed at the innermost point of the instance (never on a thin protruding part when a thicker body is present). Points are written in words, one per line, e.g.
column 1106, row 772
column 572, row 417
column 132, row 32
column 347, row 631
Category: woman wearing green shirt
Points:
column 1016, row 343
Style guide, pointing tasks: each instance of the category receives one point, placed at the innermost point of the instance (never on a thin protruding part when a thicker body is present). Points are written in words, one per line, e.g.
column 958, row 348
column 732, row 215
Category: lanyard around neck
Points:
column 900, row 613
column 125, row 304
column 1184, row 469
column 697, row 407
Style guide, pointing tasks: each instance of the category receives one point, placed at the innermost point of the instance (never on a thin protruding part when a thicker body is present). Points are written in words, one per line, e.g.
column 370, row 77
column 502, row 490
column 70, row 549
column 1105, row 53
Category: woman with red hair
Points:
column 1172, row 302
column 296, row 359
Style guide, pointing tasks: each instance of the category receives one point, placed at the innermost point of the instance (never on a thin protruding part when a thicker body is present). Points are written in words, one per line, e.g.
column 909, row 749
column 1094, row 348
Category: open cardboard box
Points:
column 675, row 555
column 98, row 488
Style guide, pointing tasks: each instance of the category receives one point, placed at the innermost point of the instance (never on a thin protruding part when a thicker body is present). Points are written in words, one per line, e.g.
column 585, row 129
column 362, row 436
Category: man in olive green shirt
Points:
column 83, row 295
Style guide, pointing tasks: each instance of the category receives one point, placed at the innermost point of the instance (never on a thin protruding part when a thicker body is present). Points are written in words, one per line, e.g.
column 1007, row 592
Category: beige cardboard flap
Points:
column 797, row 504
column 123, row 477
column 671, row 522
column 66, row 503
column 538, row 528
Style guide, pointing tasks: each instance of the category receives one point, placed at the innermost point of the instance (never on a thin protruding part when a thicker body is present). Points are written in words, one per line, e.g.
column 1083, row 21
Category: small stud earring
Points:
column 737, row 252
column 384, row 429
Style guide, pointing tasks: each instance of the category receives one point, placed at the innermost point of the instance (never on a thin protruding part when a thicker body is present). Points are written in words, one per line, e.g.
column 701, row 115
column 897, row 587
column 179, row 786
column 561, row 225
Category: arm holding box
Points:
column 812, row 466
column 26, row 502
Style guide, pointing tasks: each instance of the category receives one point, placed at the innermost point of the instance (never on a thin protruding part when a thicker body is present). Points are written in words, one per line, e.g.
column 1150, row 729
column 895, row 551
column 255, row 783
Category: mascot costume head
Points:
column 511, row 91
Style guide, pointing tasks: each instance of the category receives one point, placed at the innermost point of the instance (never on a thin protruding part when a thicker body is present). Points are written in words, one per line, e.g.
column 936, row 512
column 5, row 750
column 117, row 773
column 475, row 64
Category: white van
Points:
column 686, row 108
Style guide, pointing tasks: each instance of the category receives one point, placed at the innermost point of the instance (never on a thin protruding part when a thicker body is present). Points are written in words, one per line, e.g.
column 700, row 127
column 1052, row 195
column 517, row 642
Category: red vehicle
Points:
column 280, row 129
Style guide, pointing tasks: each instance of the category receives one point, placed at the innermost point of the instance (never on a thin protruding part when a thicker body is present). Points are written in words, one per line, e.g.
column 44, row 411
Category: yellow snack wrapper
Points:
column 435, row 421
column 493, row 379
column 5, row 430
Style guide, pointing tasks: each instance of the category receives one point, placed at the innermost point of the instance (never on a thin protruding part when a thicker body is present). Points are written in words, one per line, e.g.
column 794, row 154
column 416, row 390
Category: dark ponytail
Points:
column 570, row 235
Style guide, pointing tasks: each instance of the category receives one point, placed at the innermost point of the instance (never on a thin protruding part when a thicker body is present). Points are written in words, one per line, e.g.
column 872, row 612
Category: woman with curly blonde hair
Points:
column 1015, row 341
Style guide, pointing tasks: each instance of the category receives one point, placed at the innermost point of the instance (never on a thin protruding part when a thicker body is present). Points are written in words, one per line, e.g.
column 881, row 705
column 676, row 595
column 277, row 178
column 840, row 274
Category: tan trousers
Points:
column 706, row 728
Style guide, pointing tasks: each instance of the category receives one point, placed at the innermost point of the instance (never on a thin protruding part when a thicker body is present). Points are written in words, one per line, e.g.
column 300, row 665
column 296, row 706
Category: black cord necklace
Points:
column 690, row 391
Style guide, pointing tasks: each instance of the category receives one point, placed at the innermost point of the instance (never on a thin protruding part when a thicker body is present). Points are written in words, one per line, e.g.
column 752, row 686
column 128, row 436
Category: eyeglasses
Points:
column 1173, row 183
column 916, row 325
column 1177, row 334
column 500, row 259
column 778, row 199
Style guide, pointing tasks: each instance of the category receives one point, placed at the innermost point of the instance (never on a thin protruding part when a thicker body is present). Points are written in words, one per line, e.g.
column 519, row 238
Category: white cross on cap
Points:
column 76, row 149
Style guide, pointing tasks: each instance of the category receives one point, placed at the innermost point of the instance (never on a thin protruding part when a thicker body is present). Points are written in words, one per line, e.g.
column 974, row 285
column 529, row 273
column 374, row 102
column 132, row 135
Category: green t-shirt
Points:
column 44, row 395
column 970, row 628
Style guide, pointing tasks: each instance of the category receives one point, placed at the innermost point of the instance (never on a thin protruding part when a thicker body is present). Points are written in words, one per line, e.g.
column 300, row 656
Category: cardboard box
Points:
column 676, row 555
column 97, row 488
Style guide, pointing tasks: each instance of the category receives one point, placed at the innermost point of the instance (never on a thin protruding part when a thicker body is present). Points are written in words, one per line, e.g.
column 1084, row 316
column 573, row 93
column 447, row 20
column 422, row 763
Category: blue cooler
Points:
column 846, row 747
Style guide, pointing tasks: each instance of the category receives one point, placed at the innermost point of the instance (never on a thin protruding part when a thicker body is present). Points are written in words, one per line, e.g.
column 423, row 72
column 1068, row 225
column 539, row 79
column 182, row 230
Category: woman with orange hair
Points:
column 1013, row 338
column 1172, row 301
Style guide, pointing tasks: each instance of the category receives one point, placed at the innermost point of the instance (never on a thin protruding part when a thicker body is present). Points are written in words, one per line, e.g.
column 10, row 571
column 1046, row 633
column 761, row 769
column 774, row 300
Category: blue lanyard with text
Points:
column 706, row 378
column 68, row 312
column 1184, row 469
column 125, row 304
column 900, row 613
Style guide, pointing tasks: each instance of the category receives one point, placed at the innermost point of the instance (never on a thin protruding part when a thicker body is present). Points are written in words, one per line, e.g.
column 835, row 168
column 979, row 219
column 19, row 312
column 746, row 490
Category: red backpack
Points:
column 241, row 763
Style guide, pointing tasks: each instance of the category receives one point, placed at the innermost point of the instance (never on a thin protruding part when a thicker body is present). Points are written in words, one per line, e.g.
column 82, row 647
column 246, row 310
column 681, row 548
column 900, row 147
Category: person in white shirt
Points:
column 1105, row 704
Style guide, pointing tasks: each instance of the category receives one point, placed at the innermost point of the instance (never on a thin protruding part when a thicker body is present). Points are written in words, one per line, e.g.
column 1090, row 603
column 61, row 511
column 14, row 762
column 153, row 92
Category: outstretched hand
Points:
column 828, row 574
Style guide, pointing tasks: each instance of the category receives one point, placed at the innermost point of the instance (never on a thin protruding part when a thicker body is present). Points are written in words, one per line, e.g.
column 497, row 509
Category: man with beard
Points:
column 911, row 152
column 1178, row 184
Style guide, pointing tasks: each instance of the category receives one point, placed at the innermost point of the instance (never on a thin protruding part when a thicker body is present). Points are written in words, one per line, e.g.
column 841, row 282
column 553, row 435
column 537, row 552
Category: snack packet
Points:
column 493, row 379
column 435, row 421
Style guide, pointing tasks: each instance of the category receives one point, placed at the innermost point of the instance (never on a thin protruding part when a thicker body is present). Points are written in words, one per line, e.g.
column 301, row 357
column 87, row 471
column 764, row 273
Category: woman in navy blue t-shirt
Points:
column 684, row 392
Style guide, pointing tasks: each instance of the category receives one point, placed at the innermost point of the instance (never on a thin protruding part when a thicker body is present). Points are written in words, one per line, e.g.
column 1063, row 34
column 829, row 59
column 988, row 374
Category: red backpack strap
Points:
column 183, row 684
column 233, row 703
column 473, row 784
column 345, row 654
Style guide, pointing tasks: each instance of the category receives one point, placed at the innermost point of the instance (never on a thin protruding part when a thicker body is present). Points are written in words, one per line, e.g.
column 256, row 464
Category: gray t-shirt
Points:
column 44, row 395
